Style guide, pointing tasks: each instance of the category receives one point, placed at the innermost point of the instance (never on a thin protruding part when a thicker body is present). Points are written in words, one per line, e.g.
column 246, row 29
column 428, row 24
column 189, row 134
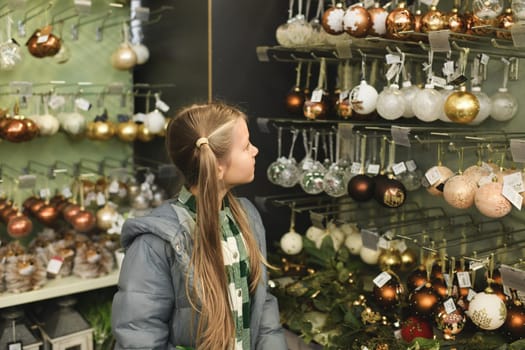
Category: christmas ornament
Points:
column 126, row 129
column 292, row 242
column 124, row 57
column 487, row 9
column 389, row 259
column 409, row 92
column 47, row 214
column 389, row 191
column 443, row 173
column 450, row 318
column 391, row 103
column 505, row 21
column 518, row 9
column 19, row 225
column 295, row 98
column 389, row 294
column 332, row 20
column 369, row 256
column 455, row 21
column 432, row 20
column 422, row 301
column 378, row 17
column 106, row 216
column 461, row 106
column 504, row 105
column 354, row 243
column 141, row 52
column 336, row 179
column 363, row 98
column 515, row 321
column 485, row 105
column 427, row 104
column 408, row 260
column 361, row 188
column 459, row 191
column 399, row 21
column 10, row 53
column 415, row 327
column 317, row 105
column 490, row 202
column 487, row 311
column 144, row 134
column 356, row 21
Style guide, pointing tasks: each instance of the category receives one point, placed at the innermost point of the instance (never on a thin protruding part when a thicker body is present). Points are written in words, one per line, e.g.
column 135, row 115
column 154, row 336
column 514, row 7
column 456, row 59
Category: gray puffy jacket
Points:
column 151, row 310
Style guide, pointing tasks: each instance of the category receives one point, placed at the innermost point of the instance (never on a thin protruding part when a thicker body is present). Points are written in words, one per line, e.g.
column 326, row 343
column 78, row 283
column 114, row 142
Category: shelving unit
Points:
column 59, row 287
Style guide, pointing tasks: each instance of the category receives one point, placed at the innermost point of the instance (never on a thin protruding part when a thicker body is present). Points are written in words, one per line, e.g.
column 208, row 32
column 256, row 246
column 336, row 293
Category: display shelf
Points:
column 59, row 287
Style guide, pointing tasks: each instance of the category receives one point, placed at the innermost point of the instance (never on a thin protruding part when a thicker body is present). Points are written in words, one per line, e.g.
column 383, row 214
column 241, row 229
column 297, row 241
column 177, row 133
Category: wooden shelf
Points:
column 59, row 287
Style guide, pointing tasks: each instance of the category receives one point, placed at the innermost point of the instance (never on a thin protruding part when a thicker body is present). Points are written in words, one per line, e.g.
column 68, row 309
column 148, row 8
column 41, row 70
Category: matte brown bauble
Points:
column 432, row 20
column 456, row 22
column 416, row 278
column 390, row 193
column 505, row 21
column 461, row 106
column 47, row 214
column 389, row 295
column 515, row 322
column 450, row 323
column 84, row 221
column 294, row 101
column 70, row 211
column 19, row 226
column 399, row 20
column 423, row 301
column 361, row 188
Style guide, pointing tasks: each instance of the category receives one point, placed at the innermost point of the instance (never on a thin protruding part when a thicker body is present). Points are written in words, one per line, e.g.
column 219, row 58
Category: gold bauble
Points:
column 461, row 107
column 105, row 217
column 432, row 20
column 127, row 131
column 389, row 259
column 456, row 22
column 143, row 134
column 408, row 260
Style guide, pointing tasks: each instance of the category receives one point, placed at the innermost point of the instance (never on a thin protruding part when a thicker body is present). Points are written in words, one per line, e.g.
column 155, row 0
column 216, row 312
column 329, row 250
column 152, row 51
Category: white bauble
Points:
column 338, row 237
column 391, row 103
column 487, row 311
column 73, row 123
column 299, row 31
column 445, row 93
column 354, row 243
column 518, row 9
column 409, row 92
column 485, row 105
column 48, row 124
column 142, row 53
column 427, row 104
column 155, row 121
column 349, row 228
column 369, row 256
column 363, row 98
column 504, row 105
column 313, row 233
column 291, row 243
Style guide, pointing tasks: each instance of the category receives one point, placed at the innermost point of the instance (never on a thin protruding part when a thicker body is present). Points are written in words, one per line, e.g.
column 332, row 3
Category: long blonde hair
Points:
column 199, row 165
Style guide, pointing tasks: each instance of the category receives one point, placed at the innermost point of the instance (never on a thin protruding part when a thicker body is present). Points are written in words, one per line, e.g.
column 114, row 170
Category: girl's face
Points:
column 239, row 168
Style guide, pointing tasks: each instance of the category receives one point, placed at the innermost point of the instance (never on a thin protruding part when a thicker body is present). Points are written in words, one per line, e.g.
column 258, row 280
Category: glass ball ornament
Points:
column 332, row 20
column 485, row 104
column 450, row 323
column 391, row 103
column 487, row 310
column 378, row 17
column 409, row 93
column 10, row 55
column 363, row 98
column 290, row 173
column 356, row 21
column 427, row 104
column 432, row 20
column 399, row 21
column 411, row 179
column 274, row 170
column 291, row 242
column 312, row 179
column 461, row 106
column 335, row 181
column 504, row 105
column 518, row 9
column 487, row 9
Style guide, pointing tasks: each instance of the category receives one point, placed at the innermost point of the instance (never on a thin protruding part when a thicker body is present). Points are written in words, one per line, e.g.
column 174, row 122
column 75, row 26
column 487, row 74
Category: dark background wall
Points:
column 179, row 54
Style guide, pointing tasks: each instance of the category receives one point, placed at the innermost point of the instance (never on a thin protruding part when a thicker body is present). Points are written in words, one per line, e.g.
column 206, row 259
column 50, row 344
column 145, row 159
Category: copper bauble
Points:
column 515, row 321
column 127, row 131
column 432, row 20
column 356, row 21
column 461, row 106
column 84, row 221
column 451, row 323
column 28, row 202
column 43, row 43
column 143, row 134
column 343, row 109
column 47, row 214
column 456, row 22
column 70, row 211
column 294, row 101
column 16, row 130
column 378, row 17
column 361, row 188
column 332, row 20
column 32, row 128
column 423, row 301
column 7, row 212
column 481, row 26
column 314, row 110
column 19, row 226
column 389, row 295
column 390, row 193
column 399, row 20
column 105, row 217
column 36, row 205
column 389, row 259
column 505, row 21
column 490, row 202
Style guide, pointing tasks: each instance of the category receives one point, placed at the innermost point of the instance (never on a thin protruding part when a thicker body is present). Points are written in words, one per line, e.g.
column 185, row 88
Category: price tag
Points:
column 381, row 279
column 446, row 277
column 438, row 81
column 161, row 105
column 262, row 53
column 372, row 169
column 54, row 265
column 66, row 192
column 484, row 59
column 449, row 305
column 45, row 193
column 56, row 101
column 464, row 279
column 512, row 277
column 514, row 197
column 433, row 175
column 307, row 164
column 383, row 243
column 471, row 294
column 101, row 199
column 438, row 40
column 317, row 95
column 476, row 265
column 399, row 168
column 411, row 165
column 392, row 71
column 82, row 104
column 517, row 149
column 355, row 168
column 42, row 39
column 514, row 180
column 448, row 68
column 517, row 31
column 392, row 58
column 113, row 187
column 370, row 239
column 400, row 135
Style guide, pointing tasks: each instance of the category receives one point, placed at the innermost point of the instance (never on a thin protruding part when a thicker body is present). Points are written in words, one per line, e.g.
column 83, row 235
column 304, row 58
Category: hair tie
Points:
column 201, row 141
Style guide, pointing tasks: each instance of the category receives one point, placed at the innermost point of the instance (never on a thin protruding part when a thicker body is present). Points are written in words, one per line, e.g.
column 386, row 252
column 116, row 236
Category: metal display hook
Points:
column 75, row 27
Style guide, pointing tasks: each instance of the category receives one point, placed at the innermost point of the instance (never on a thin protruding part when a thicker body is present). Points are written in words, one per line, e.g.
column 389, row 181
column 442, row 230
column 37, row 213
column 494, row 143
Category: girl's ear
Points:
column 221, row 169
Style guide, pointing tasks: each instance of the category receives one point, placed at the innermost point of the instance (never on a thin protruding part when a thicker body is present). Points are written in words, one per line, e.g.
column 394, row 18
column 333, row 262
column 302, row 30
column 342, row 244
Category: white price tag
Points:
column 433, row 175
column 381, row 279
column 517, row 149
column 56, row 101
column 343, row 95
column 383, row 243
column 446, row 277
column 66, row 192
column 101, row 199
column 82, row 104
column 463, row 279
column 514, row 180
column 355, row 168
column 411, row 165
column 449, row 305
column 54, row 265
column 514, row 197
column 159, row 104
column 448, row 68
column 90, row 197
column 113, row 187
column 486, row 179
column 42, row 39
column 392, row 72
column 45, row 193
column 484, row 58
column 400, row 135
column 438, row 81
column 471, row 294
column 399, row 168
column 317, row 95
column 392, row 58
column 401, row 246
column 372, row 169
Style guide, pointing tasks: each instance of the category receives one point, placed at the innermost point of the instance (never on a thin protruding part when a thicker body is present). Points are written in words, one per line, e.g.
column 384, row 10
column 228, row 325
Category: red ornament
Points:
column 414, row 327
